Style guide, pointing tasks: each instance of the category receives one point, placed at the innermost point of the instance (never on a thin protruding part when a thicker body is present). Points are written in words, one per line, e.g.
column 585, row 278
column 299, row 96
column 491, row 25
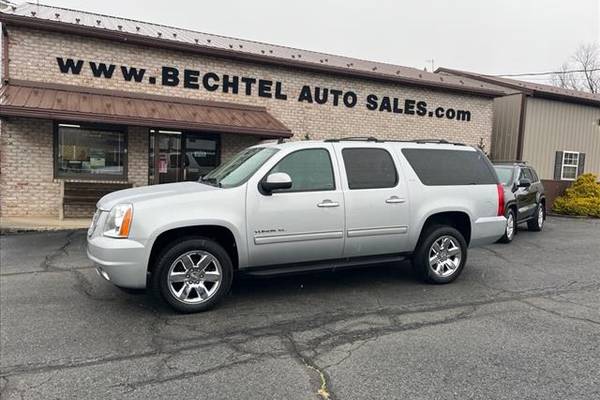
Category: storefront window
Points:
column 90, row 152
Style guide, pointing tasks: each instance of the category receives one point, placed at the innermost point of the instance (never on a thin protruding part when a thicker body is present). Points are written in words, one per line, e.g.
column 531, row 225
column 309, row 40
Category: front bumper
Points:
column 487, row 230
column 120, row 261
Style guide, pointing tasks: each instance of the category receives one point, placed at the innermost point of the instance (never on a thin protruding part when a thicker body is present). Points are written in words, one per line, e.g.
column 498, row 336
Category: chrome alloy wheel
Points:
column 445, row 255
column 510, row 225
column 195, row 277
column 540, row 216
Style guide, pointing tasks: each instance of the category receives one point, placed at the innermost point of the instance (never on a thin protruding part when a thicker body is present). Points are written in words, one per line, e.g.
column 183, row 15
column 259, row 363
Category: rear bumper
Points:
column 487, row 230
column 120, row 261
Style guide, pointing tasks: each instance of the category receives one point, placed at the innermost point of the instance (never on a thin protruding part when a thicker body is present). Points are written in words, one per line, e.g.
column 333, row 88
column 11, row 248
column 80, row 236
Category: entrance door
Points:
column 165, row 157
column 181, row 156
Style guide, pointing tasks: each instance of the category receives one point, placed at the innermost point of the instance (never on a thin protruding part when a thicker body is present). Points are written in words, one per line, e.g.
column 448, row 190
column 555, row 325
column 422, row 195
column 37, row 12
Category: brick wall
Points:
column 33, row 57
column 137, row 155
column 28, row 187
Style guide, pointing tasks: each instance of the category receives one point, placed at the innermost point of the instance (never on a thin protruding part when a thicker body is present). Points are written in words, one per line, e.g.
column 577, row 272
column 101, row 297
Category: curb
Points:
column 18, row 230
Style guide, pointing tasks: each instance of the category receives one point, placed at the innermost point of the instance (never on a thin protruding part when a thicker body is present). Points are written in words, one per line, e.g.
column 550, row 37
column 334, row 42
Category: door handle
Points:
column 395, row 200
column 328, row 203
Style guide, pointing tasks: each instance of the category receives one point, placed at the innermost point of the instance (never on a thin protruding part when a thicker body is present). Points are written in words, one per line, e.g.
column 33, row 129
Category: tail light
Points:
column 500, row 199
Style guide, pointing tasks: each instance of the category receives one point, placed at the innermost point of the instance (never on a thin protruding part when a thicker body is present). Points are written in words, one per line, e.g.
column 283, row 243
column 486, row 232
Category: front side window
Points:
column 369, row 168
column 310, row 170
column 526, row 174
column 570, row 163
column 90, row 152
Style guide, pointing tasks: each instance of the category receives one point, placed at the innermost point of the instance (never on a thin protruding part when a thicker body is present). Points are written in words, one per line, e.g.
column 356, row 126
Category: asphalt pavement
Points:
column 522, row 322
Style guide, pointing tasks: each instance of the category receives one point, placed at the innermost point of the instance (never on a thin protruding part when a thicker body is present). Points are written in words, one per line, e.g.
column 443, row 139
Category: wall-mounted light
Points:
column 69, row 126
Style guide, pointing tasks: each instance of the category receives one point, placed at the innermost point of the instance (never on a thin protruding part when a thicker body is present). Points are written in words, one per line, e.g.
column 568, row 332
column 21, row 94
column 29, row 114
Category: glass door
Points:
column 165, row 163
column 181, row 156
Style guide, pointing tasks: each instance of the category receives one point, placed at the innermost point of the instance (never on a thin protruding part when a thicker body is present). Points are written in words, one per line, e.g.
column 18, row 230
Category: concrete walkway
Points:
column 25, row 224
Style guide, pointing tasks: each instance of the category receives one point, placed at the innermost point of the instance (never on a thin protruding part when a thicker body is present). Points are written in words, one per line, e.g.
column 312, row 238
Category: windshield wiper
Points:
column 211, row 181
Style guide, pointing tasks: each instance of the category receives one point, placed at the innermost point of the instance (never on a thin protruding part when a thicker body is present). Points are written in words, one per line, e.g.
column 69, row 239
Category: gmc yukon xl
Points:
column 297, row 206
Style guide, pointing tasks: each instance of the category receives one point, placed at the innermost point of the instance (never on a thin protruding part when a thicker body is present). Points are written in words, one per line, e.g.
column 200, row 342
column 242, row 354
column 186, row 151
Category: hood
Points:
column 136, row 195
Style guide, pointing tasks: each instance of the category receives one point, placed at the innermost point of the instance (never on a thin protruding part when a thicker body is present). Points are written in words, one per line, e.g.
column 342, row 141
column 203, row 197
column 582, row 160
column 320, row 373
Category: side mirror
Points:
column 275, row 181
column 524, row 183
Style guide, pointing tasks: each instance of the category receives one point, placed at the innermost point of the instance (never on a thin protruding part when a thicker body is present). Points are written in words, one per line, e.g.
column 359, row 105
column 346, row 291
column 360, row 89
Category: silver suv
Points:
column 289, row 207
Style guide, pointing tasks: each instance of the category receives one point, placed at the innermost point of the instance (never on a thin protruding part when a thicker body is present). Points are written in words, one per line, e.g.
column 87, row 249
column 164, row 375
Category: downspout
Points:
column 4, row 55
column 521, row 133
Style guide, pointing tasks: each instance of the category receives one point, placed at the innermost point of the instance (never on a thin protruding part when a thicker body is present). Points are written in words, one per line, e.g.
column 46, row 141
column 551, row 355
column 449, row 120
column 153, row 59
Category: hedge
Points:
column 581, row 198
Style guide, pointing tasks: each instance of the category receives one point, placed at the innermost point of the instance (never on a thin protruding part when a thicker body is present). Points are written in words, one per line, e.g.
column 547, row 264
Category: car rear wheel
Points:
column 193, row 275
column 441, row 255
column 511, row 227
column 537, row 222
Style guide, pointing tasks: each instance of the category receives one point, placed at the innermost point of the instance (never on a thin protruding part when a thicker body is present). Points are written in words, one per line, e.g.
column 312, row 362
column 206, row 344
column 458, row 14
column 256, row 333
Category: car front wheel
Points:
column 441, row 255
column 193, row 275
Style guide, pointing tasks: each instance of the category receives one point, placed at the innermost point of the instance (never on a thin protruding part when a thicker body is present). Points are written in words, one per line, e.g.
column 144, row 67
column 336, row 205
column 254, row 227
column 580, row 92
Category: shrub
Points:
column 581, row 198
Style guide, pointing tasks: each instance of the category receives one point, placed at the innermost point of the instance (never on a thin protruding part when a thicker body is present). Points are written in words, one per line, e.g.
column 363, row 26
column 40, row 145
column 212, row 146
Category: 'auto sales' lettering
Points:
column 266, row 88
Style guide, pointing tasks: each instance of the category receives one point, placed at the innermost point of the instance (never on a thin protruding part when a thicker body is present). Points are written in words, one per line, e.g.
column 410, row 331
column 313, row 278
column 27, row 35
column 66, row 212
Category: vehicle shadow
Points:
column 289, row 292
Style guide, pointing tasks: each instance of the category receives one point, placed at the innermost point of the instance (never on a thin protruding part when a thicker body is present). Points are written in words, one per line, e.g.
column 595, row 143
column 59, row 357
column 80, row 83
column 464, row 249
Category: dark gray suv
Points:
column 524, row 198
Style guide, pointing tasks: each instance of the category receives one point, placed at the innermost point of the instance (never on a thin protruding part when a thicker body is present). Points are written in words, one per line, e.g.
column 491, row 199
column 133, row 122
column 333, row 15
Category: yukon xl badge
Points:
column 261, row 231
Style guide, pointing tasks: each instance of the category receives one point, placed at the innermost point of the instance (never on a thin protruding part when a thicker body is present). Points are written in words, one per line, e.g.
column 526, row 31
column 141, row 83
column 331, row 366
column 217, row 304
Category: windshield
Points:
column 239, row 169
column 505, row 175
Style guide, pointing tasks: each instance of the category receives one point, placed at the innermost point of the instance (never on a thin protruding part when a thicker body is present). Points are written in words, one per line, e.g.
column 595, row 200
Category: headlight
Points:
column 119, row 221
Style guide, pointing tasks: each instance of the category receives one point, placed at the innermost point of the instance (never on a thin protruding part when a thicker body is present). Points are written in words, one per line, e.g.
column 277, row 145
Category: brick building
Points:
column 91, row 100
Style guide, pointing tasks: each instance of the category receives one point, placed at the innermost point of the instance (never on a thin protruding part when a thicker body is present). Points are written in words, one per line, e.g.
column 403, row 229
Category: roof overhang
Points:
column 74, row 103
column 131, row 38
column 559, row 94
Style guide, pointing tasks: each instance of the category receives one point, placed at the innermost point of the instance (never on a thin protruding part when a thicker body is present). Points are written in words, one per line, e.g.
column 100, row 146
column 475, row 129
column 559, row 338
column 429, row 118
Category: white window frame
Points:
column 563, row 165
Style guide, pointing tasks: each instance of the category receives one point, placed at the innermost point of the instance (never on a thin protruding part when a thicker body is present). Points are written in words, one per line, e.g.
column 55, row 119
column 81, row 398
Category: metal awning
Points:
column 79, row 104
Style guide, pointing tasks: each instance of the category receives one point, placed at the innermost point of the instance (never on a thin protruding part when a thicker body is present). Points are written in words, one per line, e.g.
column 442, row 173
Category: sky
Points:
column 486, row 36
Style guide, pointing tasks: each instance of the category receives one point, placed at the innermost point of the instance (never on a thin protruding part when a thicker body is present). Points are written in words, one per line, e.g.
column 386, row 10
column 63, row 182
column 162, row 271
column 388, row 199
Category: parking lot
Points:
column 523, row 321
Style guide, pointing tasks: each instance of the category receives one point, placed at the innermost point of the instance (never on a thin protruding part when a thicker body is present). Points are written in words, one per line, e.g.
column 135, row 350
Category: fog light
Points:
column 102, row 273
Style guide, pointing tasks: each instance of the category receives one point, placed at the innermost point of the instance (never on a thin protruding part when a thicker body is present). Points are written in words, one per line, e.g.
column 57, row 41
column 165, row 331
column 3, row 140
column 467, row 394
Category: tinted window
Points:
column 534, row 175
column 309, row 169
column 526, row 173
column 450, row 167
column 369, row 168
column 504, row 175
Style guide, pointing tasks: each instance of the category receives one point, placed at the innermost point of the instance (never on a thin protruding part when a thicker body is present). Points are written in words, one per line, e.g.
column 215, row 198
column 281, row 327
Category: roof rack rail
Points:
column 354, row 138
column 439, row 141
column 374, row 139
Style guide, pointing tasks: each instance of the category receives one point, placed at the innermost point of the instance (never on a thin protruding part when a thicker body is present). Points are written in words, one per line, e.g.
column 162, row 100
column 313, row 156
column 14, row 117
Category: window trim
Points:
column 563, row 165
column 397, row 179
column 92, row 177
column 300, row 191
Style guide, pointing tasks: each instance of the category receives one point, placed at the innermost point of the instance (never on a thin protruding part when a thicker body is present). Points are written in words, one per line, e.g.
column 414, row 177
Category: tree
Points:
column 582, row 72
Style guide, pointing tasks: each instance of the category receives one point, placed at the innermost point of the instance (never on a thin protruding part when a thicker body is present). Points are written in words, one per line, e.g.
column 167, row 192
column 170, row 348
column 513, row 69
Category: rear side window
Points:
column 369, row 168
column 436, row 167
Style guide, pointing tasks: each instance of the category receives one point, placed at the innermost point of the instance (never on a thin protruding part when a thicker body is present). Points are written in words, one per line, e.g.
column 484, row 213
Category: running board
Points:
column 328, row 265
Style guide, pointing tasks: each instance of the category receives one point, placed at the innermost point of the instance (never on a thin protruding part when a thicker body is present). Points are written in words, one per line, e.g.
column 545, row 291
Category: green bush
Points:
column 581, row 198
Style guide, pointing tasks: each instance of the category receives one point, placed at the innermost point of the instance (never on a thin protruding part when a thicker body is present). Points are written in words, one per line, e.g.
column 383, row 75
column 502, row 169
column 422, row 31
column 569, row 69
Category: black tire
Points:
column 421, row 258
column 160, row 277
column 509, row 238
column 537, row 222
